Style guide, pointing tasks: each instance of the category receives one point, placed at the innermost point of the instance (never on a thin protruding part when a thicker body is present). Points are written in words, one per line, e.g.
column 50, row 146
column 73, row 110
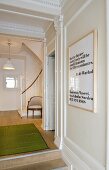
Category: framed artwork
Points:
column 82, row 73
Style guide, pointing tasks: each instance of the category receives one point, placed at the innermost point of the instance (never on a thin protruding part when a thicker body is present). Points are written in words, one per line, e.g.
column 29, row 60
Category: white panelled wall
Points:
column 84, row 133
column 81, row 134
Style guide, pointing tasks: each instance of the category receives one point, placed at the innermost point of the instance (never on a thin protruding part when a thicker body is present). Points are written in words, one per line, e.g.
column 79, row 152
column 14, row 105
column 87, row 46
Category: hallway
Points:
column 78, row 33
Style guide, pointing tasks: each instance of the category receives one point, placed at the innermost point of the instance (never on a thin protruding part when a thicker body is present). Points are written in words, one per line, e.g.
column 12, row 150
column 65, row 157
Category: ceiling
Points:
column 25, row 18
column 28, row 16
column 21, row 47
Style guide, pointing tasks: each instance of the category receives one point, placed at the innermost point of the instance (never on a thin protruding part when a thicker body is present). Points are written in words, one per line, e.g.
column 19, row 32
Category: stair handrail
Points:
column 32, row 82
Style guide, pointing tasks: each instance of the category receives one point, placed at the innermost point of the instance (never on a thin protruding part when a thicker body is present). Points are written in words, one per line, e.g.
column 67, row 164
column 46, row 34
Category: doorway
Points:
column 28, row 72
column 50, row 86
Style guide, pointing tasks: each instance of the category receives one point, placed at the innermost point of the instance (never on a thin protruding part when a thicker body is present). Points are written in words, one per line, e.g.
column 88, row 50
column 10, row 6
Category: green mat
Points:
column 17, row 139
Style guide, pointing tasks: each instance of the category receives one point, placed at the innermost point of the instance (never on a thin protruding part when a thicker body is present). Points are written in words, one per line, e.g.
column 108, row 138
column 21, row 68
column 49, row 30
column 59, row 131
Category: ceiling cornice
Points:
column 51, row 7
column 51, row 3
column 26, row 15
column 46, row 10
column 22, row 30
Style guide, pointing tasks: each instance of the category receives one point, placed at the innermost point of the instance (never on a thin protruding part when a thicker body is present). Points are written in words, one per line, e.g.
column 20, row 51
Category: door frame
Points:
column 107, row 84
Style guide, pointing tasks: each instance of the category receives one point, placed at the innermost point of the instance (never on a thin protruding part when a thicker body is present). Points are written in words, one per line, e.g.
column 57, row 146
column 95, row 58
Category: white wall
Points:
column 84, row 132
column 36, row 47
column 29, row 68
column 10, row 98
column 32, row 70
column 50, row 38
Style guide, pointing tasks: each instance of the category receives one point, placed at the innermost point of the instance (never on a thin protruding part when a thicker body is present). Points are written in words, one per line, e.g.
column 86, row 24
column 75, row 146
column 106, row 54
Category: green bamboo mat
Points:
column 18, row 139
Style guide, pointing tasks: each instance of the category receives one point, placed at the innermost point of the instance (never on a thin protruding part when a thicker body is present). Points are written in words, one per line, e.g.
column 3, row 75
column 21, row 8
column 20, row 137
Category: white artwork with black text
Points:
column 81, row 73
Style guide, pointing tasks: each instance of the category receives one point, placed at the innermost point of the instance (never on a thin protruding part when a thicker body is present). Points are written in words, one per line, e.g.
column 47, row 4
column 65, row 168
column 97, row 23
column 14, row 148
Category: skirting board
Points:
column 70, row 154
column 58, row 142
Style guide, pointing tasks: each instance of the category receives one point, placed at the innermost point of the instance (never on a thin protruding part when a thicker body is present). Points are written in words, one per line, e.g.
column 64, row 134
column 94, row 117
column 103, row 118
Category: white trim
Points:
column 27, row 15
column 79, row 158
column 107, row 139
column 46, row 116
column 59, row 40
column 47, row 61
column 58, row 142
column 62, row 78
column 44, row 89
column 56, row 88
column 65, row 86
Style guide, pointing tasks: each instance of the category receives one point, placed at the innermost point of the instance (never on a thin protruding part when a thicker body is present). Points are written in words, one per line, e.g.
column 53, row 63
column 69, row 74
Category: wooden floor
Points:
column 13, row 118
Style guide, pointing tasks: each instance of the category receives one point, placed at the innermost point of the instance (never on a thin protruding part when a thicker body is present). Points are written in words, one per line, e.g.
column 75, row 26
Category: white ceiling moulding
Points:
column 51, row 7
column 14, row 38
column 21, row 30
column 53, row 3
column 27, row 15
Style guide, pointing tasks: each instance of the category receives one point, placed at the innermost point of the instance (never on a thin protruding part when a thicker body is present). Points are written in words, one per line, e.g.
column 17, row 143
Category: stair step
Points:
column 48, row 165
column 26, row 159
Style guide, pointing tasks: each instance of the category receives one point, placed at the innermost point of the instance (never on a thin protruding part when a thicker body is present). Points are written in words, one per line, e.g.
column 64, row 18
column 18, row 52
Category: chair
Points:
column 35, row 103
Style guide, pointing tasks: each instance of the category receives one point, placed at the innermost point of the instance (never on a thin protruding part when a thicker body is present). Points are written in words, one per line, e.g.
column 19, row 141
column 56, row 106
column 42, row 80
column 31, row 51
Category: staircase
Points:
column 26, row 160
